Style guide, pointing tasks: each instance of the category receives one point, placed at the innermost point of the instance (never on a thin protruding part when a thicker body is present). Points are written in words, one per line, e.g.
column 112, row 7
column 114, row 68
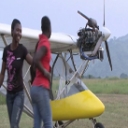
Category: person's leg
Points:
column 9, row 102
column 44, row 107
column 17, row 109
column 37, row 117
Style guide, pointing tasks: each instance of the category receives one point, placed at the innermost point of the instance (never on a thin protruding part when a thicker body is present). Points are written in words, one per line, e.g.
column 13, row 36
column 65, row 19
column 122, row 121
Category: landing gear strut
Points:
column 60, row 124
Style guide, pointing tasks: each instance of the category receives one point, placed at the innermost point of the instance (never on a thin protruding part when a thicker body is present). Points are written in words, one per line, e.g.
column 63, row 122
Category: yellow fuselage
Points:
column 80, row 105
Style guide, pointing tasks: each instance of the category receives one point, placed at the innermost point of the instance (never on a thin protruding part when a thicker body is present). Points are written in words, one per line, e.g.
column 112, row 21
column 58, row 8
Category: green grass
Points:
column 25, row 122
column 2, row 99
column 102, row 86
column 107, row 86
column 112, row 92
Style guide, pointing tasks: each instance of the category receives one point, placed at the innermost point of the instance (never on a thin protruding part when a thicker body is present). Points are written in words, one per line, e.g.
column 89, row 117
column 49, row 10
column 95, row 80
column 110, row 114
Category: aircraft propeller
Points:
column 106, row 35
column 91, row 22
column 105, row 32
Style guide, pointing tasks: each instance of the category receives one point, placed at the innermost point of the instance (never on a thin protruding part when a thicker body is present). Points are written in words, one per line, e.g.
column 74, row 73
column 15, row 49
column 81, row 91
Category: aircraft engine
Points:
column 88, row 38
column 87, row 41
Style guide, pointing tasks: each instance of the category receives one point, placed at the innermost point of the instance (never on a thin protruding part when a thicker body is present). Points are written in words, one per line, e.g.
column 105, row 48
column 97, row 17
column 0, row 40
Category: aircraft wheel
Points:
column 99, row 125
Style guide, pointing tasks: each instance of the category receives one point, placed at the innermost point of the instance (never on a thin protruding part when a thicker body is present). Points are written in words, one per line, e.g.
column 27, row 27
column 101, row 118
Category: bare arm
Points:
column 29, row 58
column 2, row 73
column 39, row 54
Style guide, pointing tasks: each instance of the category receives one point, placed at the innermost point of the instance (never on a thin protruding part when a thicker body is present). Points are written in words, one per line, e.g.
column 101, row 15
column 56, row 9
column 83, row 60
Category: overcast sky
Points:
column 63, row 14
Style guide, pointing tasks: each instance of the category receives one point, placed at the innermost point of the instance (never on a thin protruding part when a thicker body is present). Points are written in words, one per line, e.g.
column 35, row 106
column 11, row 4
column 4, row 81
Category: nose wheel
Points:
column 96, row 124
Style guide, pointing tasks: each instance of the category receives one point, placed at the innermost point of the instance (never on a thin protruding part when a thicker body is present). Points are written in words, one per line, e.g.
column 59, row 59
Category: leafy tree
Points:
column 123, row 75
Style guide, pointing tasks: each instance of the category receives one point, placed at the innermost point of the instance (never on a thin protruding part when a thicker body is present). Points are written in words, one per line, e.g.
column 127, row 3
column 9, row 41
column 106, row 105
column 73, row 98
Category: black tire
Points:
column 99, row 125
column 59, row 123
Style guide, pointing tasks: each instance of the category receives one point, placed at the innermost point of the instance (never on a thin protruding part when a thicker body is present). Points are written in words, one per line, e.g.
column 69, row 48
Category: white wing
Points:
column 59, row 42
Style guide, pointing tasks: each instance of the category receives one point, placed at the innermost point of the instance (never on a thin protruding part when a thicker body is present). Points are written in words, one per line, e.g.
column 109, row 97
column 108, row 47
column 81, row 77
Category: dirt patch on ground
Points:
column 113, row 98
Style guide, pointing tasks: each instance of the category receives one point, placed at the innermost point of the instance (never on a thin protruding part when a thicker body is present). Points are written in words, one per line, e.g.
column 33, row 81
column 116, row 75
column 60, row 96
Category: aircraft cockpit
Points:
column 70, row 82
column 73, row 88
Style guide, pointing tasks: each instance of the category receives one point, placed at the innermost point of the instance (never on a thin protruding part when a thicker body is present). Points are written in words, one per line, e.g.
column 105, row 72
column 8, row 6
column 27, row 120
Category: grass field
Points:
column 112, row 92
column 107, row 86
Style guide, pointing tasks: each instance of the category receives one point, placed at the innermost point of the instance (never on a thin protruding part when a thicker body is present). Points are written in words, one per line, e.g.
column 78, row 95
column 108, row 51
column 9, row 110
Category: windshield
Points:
column 74, row 87
column 69, row 79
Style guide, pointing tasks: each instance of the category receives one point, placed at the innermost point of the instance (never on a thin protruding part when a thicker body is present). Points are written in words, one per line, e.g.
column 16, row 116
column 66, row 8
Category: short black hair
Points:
column 14, row 22
column 45, row 24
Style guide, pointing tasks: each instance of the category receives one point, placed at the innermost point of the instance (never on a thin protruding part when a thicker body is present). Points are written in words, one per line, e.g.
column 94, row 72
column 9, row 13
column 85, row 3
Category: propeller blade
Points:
column 83, row 15
column 108, row 54
column 104, row 15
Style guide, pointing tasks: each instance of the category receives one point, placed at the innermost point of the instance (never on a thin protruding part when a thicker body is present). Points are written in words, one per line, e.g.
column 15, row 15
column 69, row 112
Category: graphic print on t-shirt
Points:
column 11, row 70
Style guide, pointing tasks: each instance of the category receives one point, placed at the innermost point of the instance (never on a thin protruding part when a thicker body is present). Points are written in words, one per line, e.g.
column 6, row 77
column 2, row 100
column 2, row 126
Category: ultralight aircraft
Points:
column 73, row 99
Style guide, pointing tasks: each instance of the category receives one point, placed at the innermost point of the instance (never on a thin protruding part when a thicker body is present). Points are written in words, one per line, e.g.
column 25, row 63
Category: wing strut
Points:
column 4, row 40
column 72, row 59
